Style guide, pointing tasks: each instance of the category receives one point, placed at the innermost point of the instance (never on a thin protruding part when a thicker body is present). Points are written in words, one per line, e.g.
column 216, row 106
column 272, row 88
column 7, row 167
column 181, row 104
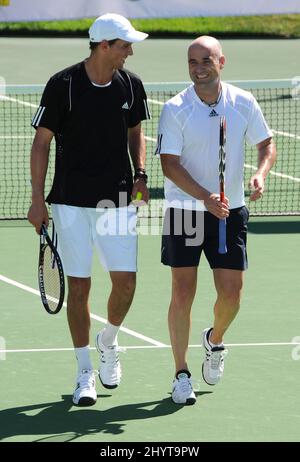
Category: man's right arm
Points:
column 173, row 170
column 38, row 214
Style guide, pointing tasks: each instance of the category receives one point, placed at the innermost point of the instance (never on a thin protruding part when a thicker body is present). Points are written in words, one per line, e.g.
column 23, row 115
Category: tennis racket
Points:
column 50, row 273
column 222, row 155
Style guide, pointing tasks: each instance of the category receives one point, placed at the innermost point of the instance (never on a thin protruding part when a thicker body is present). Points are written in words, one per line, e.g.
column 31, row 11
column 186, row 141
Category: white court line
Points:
column 160, row 103
column 252, row 167
column 133, row 333
column 149, row 138
column 154, row 101
column 151, row 347
column 94, row 316
column 153, row 140
column 278, row 132
column 15, row 137
column 281, row 175
column 289, row 135
column 18, row 101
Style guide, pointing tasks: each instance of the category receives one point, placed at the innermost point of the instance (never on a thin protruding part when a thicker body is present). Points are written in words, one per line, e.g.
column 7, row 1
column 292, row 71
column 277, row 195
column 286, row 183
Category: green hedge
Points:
column 284, row 26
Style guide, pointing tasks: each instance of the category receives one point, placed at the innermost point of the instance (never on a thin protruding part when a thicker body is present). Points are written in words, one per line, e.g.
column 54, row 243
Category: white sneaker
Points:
column 110, row 368
column 85, row 392
column 213, row 364
column 183, row 392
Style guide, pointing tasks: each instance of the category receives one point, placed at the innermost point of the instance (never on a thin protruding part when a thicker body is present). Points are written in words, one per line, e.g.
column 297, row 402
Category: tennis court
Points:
column 257, row 399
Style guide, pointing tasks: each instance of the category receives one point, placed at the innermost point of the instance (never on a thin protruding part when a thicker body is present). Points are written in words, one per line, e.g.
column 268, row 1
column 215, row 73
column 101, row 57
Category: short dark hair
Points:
column 93, row 45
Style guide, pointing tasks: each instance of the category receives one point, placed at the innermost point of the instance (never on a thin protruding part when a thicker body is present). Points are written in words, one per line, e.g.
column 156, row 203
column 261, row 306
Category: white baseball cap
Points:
column 112, row 26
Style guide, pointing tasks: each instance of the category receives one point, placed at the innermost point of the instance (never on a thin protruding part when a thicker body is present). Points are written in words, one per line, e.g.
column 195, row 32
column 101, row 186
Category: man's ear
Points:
column 222, row 61
column 104, row 45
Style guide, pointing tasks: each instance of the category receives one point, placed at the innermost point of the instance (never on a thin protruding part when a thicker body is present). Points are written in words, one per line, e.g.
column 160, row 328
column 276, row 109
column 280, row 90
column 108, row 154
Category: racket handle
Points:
column 222, row 236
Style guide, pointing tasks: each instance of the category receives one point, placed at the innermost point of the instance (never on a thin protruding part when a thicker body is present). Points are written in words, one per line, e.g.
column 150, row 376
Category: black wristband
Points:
column 140, row 174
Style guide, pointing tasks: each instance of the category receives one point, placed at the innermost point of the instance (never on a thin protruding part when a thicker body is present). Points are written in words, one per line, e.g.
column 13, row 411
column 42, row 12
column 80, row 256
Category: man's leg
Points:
column 79, row 324
column 119, row 302
column 116, row 243
column 184, row 283
column 78, row 310
column 229, row 285
column 121, row 296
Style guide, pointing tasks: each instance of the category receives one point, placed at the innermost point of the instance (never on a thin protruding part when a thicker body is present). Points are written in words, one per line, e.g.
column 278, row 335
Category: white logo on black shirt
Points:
column 125, row 105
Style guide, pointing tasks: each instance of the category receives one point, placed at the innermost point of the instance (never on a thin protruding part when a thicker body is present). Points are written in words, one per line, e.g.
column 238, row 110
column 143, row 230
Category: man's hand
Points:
column 257, row 186
column 38, row 214
column 140, row 186
column 216, row 207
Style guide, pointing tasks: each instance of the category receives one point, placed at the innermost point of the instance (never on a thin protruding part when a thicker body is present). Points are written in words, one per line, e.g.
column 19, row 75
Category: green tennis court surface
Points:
column 256, row 401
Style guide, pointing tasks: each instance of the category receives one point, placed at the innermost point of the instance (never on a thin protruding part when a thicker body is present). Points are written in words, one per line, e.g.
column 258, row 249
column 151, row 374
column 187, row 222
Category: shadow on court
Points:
column 274, row 227
column 64, row 422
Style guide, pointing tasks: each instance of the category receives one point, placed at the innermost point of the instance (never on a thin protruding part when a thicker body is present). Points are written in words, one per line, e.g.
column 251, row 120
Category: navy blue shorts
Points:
column 175, row 251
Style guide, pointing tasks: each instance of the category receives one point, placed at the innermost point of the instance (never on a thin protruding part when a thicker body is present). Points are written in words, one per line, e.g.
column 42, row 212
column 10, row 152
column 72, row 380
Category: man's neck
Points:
column 98, row 72
column 209, row 93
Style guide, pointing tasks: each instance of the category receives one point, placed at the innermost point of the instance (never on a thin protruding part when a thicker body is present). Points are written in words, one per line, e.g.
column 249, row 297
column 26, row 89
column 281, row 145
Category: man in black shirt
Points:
column 94, row 110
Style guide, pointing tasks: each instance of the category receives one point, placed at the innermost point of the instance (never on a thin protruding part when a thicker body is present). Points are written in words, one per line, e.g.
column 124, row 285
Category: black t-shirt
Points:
column 90, row 125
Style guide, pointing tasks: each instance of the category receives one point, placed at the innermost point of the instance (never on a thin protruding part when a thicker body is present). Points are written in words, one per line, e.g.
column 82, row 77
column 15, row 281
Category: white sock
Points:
column 109, row 337
column 213, row 345
column 83, row 358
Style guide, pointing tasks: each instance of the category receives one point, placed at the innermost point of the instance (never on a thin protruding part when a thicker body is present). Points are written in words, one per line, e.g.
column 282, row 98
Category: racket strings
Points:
column 54, row 242
column 51, row 279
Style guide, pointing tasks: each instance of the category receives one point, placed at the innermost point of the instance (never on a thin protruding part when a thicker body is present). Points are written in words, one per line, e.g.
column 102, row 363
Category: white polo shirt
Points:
column 190, row 129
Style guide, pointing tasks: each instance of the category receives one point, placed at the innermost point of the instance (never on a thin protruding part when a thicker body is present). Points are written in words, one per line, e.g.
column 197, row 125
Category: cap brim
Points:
column 135, row 36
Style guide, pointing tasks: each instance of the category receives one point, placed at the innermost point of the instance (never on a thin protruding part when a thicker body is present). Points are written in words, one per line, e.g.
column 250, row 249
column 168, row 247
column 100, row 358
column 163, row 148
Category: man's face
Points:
column 119, row 52
column 204, row 65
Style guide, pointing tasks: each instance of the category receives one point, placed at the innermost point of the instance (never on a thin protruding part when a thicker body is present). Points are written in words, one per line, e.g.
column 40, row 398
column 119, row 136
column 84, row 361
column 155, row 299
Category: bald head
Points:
column 207, row 43
column 206, row 61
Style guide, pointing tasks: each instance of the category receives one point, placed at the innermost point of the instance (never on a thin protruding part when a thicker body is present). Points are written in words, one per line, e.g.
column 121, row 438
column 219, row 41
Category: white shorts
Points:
column 111, row 231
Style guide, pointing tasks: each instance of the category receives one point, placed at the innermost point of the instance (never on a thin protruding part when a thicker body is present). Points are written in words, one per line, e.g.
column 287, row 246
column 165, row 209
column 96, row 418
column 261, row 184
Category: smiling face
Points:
column 205, row 60
column 118, row 52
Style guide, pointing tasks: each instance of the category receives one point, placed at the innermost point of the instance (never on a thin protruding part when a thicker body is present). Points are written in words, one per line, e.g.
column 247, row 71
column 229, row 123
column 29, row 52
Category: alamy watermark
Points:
column 2, row 349
column 181, row 218
column 296, row 349
column 2, row 86
column 296, row 87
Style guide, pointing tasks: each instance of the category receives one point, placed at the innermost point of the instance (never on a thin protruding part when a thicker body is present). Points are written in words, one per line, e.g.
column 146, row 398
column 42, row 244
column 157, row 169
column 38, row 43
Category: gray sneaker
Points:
column 182, row 392
column 110, row 368
column 85, row 392
column 213, row 364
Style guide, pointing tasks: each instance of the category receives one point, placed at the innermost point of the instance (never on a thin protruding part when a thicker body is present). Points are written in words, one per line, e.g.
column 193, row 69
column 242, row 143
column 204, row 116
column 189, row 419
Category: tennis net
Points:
column 280, row 103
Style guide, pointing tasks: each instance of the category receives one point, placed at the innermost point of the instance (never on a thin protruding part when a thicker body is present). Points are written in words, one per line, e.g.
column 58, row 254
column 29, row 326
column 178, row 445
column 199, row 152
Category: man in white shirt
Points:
column 188, row 145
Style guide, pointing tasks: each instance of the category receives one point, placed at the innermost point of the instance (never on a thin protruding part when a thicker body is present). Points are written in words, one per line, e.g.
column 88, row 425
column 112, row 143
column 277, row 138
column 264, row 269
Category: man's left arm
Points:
column 137, row 150
column 266, row 159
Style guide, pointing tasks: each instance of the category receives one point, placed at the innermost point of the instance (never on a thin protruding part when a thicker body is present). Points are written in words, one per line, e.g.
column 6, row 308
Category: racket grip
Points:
column 222, row 236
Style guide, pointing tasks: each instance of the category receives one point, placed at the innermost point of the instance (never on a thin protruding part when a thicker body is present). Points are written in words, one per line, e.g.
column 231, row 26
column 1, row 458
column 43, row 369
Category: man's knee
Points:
column 231, row 291
column 79, row 288
column 125, row 285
